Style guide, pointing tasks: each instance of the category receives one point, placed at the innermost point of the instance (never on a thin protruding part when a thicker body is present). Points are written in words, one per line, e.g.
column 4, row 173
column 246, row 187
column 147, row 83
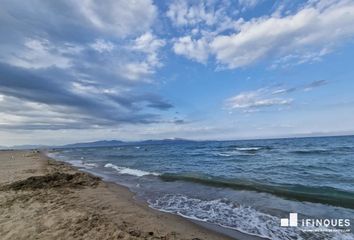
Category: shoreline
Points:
column 229, row 233
column 43, row 198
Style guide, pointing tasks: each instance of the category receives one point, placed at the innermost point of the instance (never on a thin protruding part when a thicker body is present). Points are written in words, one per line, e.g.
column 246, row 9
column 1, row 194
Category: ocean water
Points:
column 242, row 185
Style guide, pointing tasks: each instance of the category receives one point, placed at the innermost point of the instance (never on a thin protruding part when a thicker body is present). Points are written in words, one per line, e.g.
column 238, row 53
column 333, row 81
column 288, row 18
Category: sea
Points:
column 246, row 186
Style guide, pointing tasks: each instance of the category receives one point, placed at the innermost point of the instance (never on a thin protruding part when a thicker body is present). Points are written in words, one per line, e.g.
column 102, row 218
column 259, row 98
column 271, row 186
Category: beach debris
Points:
column 135, row 233
column 54, row 180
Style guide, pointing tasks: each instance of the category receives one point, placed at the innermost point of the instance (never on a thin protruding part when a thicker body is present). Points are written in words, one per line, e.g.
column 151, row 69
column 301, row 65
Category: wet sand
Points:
column 44, row 199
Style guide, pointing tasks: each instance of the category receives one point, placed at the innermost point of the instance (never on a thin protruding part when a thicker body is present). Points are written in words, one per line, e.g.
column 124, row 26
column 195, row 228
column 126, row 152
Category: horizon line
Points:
column 187, row 139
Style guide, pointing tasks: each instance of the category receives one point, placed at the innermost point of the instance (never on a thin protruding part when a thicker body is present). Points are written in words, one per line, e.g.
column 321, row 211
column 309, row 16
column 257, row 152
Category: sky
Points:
column 73, row 71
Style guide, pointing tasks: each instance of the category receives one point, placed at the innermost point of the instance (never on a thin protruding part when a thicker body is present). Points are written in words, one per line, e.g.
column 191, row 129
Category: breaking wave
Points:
column 129, row 171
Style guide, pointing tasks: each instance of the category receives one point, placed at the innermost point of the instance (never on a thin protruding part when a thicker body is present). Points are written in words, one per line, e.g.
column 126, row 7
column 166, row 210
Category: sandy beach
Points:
column 44, row 199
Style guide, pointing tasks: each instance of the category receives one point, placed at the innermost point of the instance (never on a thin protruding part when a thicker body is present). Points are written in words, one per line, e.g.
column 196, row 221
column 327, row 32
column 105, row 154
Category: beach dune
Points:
column 44, row 199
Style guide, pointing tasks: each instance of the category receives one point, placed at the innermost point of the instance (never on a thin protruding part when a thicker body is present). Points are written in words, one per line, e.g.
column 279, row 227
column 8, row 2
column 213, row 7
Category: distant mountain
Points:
column 114, row 143
column 165, row 141
column 104, row 143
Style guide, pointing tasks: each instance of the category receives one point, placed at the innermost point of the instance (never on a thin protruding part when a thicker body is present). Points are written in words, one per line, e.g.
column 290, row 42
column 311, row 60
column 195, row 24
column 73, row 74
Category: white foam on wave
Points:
column 76, row 163
column 223, row 154
column 82, row 164
column 230, row 215
column 248, row 148
column 233, row 153
column 91, row 164
column 129, row 171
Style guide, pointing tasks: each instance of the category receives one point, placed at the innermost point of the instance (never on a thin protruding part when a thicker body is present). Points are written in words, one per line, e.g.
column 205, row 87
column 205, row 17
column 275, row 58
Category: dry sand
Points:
column 44, row 199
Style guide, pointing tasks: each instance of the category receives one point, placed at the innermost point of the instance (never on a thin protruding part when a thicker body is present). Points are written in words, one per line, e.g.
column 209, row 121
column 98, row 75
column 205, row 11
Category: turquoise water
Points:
column 242, row 185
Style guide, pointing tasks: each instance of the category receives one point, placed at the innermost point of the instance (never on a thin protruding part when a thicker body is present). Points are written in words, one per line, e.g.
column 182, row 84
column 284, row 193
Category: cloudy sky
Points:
column 139, row 69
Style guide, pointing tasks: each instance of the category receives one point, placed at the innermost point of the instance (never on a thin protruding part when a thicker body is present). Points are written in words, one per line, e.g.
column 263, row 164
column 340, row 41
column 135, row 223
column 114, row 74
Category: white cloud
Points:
column 19, row 112
column 52, row 76
column 296, row 59
column 148, row 43
column 286, row 38
column 199, row 21
column 249, row 3
column 255, row 99
column 137, row 71
column 40, row 53
column 314, row 84
column 181, row 13
column 280, row 91
column 192, row 49
column 121, row 17
column 201, row 15
column 313, row 28
column 101, row 45
column 148, row 47
column 136, row 59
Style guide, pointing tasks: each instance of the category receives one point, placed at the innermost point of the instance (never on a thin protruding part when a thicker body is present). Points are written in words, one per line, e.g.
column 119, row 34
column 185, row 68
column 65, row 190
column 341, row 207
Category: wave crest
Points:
column 129, row 171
